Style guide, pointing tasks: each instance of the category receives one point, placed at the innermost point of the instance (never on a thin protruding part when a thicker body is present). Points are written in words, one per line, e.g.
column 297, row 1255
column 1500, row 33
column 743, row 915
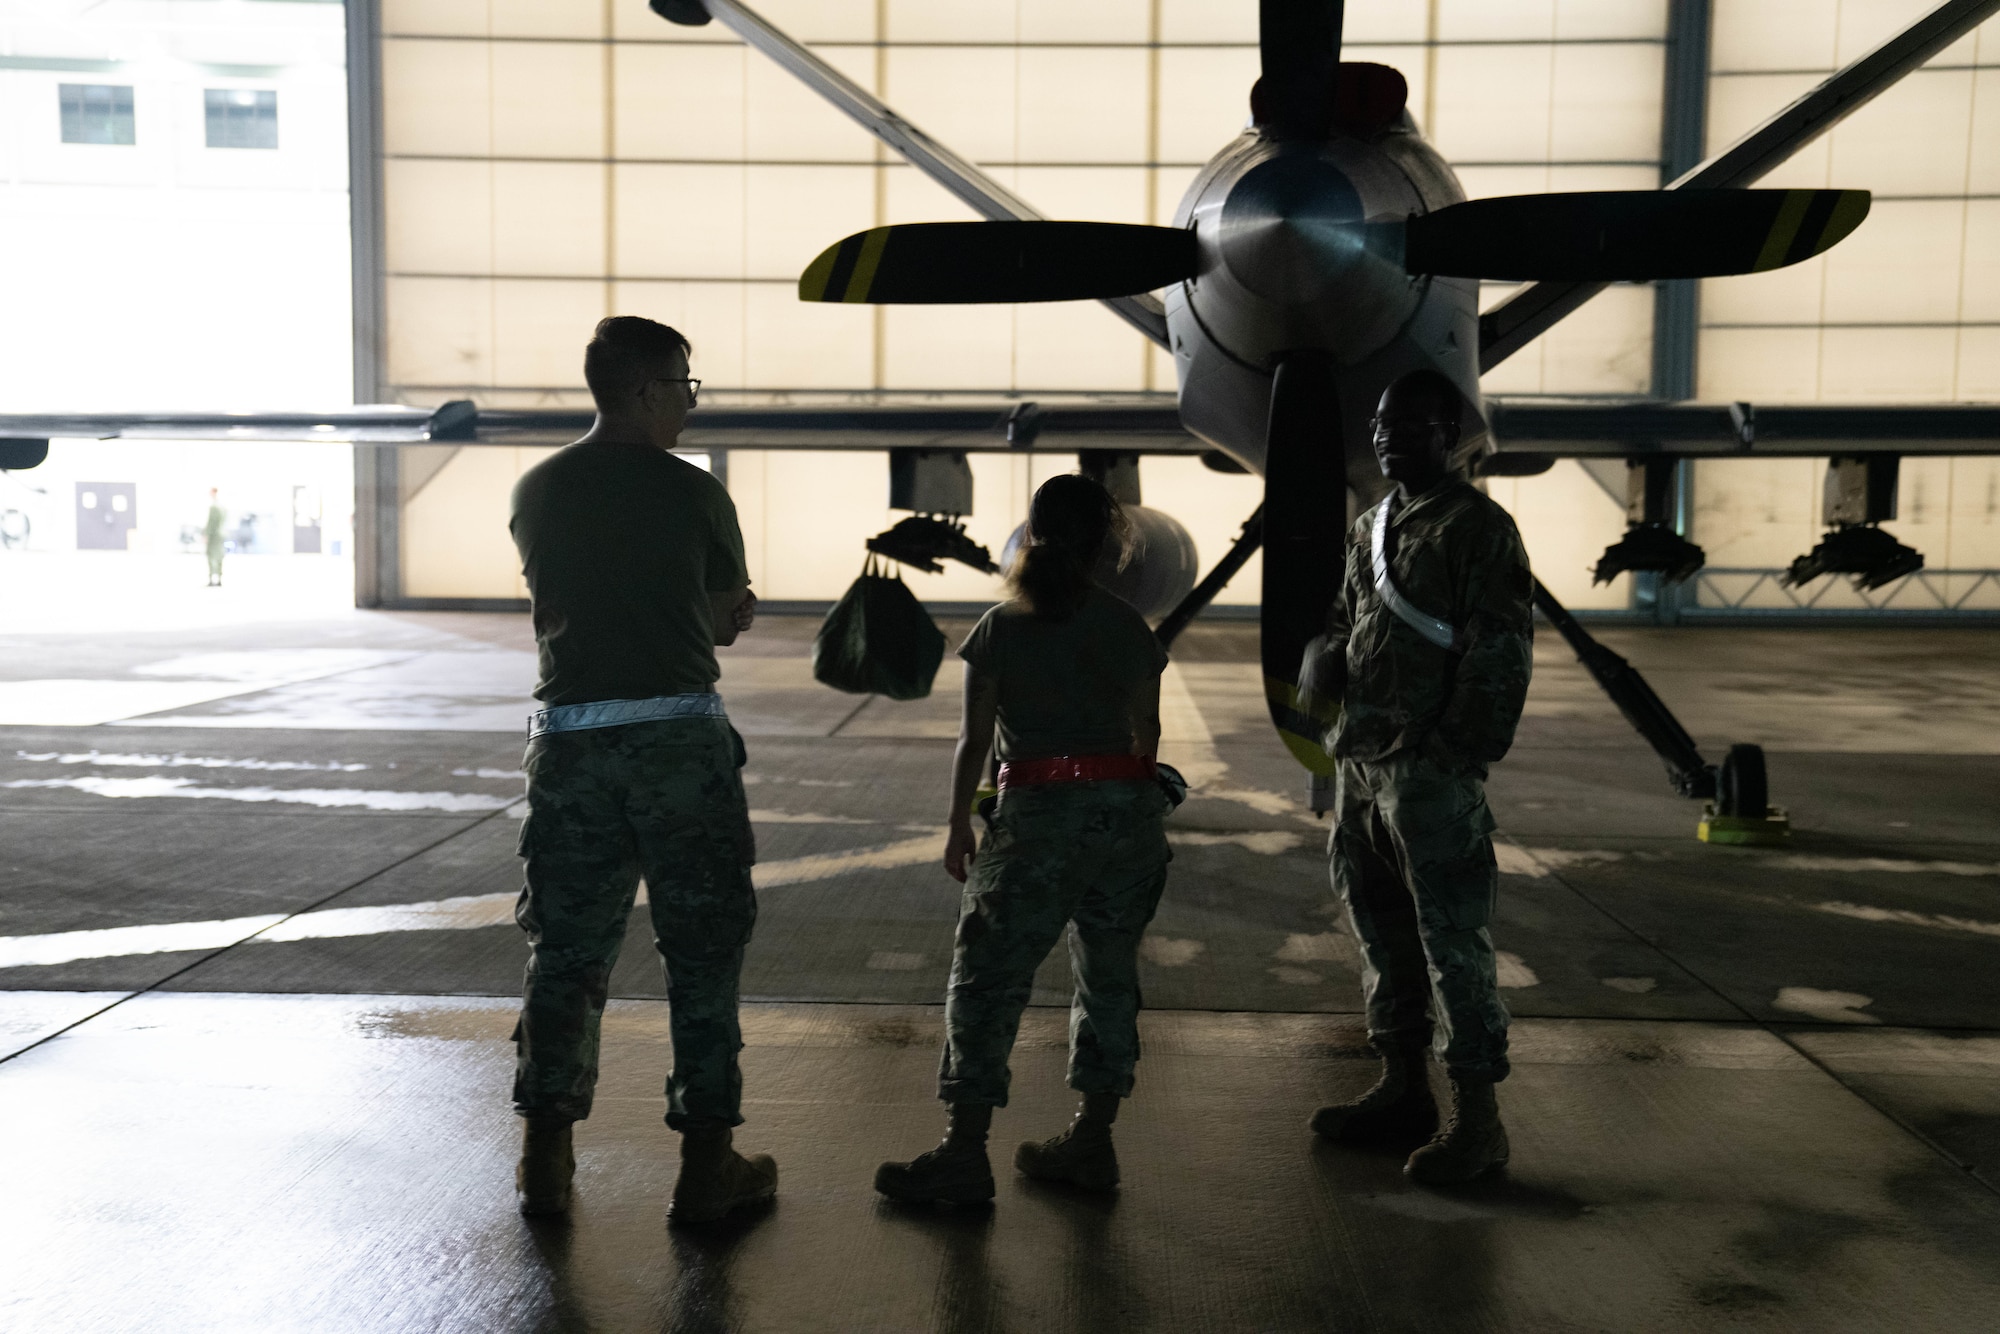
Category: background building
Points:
column 174, row 226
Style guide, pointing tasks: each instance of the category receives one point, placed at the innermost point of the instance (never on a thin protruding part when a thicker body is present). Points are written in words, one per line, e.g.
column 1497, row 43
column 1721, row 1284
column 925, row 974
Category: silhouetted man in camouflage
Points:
column 1428, row 650
column 635, row 565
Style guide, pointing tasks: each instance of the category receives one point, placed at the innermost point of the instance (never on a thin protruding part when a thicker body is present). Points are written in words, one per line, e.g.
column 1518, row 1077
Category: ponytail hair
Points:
column 1071, row 523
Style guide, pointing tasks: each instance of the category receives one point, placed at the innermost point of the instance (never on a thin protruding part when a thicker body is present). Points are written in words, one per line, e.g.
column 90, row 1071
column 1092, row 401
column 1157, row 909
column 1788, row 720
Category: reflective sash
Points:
column 1430, row 627
column 618, row 712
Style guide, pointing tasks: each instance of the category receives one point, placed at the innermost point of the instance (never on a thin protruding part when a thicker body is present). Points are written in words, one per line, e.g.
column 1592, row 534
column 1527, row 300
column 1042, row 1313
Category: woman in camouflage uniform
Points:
column 1075, row 842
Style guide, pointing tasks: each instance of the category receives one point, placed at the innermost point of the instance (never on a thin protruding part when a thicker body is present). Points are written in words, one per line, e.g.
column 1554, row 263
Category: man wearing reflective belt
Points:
column 635, row 566
column 1428, row 650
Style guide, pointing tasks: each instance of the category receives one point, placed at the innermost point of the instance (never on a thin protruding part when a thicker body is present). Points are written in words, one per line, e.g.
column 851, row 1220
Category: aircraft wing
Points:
column 1048, row 428
column 1556, row 427
column 1524, row 430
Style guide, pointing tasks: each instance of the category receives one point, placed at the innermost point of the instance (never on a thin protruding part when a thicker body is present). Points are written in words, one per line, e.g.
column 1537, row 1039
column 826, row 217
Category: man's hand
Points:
column 959, row 846
column 730, row 613
column 1322, row 674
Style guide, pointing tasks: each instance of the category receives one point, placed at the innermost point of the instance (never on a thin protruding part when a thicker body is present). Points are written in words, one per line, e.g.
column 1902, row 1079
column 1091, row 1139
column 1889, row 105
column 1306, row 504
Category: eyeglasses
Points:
column 694, row 385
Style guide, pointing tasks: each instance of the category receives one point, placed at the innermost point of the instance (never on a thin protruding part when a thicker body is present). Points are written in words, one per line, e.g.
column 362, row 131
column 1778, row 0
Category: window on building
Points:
column 96, row 113
column 242, row 118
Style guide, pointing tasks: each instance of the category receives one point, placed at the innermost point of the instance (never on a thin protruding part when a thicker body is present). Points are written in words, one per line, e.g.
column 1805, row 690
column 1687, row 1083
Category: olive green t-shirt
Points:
column 1066, row 687
column 621, row 546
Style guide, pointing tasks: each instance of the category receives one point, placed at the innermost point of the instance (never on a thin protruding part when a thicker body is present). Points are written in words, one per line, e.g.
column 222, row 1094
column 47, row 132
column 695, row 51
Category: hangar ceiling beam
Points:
column 1523, row 317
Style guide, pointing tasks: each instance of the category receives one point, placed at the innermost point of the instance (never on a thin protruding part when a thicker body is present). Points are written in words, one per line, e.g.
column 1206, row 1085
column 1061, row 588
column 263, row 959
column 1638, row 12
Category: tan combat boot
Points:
column 716, row 1180
column 955, row 1172
column 547, row 1167
column 1082, row 1155
column 1398, row 1110
column 1472, row 1143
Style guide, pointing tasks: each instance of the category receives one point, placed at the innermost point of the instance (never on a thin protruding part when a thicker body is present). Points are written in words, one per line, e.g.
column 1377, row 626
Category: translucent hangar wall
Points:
column 1906, row 310
column 546, row 165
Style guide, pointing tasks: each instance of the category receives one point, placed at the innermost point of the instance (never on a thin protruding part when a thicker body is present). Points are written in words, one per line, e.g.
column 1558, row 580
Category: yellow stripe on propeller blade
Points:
column 1810, row 222
column 845, row 270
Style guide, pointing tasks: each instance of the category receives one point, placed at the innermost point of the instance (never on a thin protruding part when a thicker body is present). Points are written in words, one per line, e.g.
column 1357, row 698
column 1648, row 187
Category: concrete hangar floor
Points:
column 256, row 884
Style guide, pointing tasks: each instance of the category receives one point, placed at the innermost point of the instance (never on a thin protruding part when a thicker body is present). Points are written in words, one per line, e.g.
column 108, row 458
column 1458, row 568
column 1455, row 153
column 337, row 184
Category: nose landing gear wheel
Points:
column 1740, row 788
column 1741, row 812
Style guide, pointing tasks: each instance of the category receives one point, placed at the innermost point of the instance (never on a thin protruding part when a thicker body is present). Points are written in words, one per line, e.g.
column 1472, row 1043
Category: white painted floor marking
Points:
column 1168, row 952
column 68, row 702
column 460, row 914
column 117, row 941
column 1802, row 862
column 1511, row 973
column 825, row 866
column 1518, row 860
column 1635, row 986
column 1867, row 913
column 464, row 913
column 489, row 773
column 890, row 961
column 1264, row 842
column 470, row 690
column 332, row 797
column 119, row 760
column 1839, row 1007
column 1323, row 947
column 265, row 664
column 177, row 683
column 1263, row 801
column 794, row 817
column 1185, row 741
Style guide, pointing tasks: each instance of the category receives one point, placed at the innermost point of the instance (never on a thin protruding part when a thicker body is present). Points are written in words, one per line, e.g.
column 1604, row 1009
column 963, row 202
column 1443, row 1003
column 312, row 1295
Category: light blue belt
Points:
column 618, row 712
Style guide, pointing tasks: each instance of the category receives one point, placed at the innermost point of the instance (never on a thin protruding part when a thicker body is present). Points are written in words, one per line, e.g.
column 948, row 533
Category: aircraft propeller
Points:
column 1298, row 54
column 1588, row 236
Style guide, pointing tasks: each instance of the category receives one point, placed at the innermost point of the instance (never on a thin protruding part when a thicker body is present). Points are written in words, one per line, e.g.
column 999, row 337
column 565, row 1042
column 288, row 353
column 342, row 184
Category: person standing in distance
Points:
column 212, row 539
column 1427, row 651
column 635, row 568
column 1076, row 842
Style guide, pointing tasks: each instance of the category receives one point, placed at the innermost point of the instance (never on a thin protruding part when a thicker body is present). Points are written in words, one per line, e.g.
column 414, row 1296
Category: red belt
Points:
column 1076, row 769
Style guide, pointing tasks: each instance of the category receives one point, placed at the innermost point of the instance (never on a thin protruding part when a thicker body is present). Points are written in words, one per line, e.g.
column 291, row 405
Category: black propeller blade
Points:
column 1305, row 543
column 969, row 263
column 1298, row 46
column 1630, row 235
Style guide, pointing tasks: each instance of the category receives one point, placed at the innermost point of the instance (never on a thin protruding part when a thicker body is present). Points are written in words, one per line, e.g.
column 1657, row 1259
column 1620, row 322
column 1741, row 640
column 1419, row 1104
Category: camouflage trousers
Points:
column 1089, row 858
column 659, row 799
column 1412, row 854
